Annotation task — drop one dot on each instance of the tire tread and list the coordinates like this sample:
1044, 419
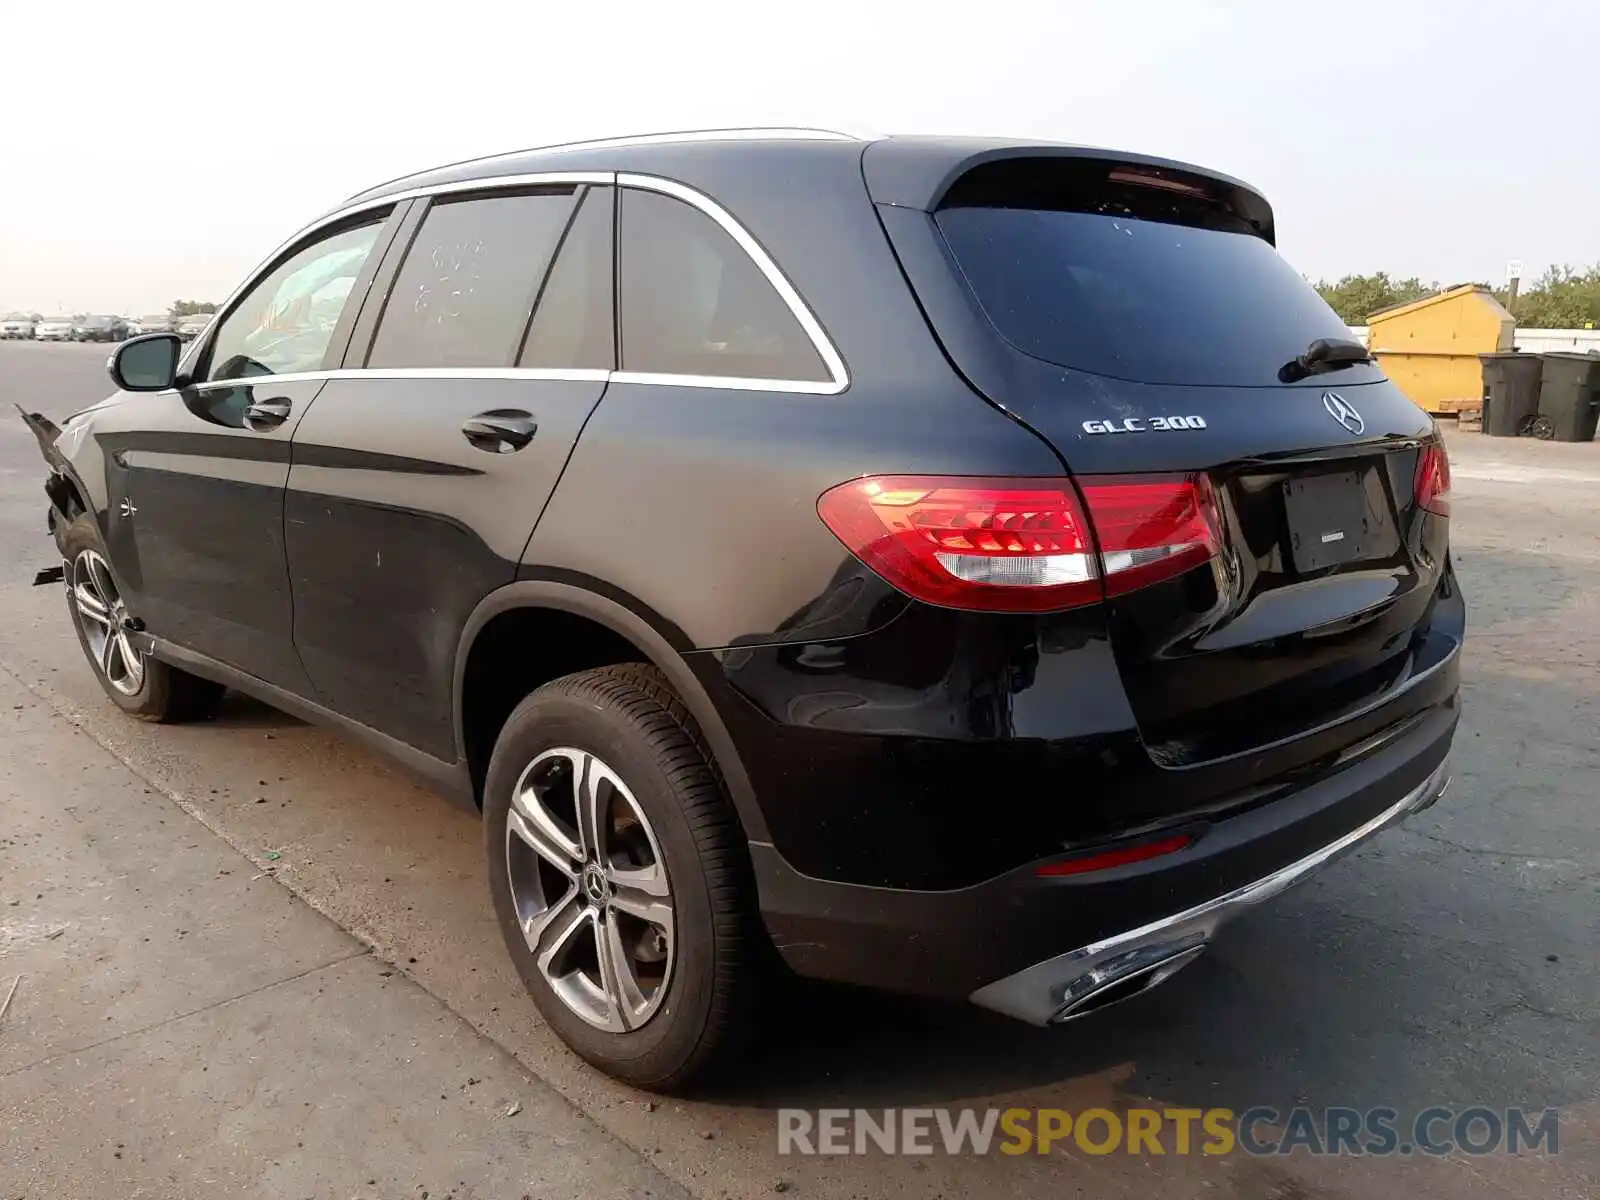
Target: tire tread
640, 695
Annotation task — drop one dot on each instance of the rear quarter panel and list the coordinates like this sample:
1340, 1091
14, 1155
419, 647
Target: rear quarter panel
700, 502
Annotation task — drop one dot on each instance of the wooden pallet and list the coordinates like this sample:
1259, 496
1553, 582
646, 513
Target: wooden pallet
1456, 404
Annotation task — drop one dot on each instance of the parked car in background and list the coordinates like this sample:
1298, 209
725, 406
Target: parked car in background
154, 323
99, 328
972, 568
192, 327
54, 329
16, 325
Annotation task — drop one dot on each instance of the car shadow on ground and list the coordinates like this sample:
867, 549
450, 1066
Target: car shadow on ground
239, 711
1430, 967
1299, 1006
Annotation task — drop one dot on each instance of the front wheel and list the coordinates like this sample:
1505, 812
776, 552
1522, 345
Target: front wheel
138, 684
620, 877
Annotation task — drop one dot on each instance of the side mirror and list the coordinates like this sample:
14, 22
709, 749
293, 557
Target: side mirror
146, 364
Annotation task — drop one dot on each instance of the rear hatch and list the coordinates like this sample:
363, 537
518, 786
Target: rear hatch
1138, 317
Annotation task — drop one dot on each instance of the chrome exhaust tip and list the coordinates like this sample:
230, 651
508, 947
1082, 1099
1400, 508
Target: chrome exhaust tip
1133, 981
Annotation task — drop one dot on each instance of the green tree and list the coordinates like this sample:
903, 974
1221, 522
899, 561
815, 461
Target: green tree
1562, 298
192, 308
1357, 297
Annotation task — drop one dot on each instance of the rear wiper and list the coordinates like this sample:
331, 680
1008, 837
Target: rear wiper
1323, 355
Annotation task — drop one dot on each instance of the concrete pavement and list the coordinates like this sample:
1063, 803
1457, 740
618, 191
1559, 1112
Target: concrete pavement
185, 1026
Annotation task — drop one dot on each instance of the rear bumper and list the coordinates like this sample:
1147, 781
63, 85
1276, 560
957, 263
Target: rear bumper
1084, 979
1042, 948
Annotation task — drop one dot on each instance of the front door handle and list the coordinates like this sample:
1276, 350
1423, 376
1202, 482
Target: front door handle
266, 414
500, 430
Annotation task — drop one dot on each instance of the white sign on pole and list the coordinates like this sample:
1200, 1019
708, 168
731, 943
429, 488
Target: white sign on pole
1514, 269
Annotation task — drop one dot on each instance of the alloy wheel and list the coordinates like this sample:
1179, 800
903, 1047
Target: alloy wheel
590, 889
103, 618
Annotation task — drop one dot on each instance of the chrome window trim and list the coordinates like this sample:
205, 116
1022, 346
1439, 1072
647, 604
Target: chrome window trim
494, 183
838, 381
832, 363
809, 387
574, 375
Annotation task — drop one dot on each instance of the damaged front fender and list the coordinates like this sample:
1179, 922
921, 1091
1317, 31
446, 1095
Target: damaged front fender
62, 486
45, 432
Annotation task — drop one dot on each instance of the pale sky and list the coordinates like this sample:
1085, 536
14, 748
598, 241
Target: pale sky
151, 151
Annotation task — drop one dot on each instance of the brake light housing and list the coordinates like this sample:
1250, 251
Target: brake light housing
1152, 527
1433, 479
1024, 545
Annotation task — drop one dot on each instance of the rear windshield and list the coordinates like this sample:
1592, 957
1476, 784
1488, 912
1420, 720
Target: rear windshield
1115, 292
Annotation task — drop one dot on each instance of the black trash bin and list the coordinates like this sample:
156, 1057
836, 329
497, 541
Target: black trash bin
1510, 392
1569, 397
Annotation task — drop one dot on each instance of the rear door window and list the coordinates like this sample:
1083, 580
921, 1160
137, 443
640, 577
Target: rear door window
572, 326
691, 302
463, 295
1153, 288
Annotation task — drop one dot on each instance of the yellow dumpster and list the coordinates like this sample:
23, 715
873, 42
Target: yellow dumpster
1430, 347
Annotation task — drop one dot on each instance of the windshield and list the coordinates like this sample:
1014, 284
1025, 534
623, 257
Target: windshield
14, 317
1144, 300
97, 322
57, 321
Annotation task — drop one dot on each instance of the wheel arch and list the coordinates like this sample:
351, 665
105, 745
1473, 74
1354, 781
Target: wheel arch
657, 642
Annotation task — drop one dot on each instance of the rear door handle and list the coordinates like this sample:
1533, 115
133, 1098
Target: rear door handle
266, 414
500, 430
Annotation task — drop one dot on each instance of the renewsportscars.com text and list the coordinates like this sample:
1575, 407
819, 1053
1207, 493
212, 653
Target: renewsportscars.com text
1379, 1132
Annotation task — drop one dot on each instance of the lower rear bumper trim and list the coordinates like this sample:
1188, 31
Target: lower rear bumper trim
1066, 986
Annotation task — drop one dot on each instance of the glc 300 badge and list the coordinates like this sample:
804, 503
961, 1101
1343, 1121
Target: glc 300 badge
1144, 425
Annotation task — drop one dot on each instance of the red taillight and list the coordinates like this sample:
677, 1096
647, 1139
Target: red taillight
1433, 479
1120, 857
1022, 545
1152, 528
1001, 545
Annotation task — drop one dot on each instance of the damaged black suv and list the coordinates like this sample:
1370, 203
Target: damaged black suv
971, 568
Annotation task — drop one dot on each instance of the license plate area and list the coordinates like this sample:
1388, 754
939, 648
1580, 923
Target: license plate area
1330, 520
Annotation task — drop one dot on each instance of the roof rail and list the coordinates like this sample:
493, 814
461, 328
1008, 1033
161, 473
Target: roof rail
754, 133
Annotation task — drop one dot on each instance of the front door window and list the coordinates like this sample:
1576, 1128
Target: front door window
286, 321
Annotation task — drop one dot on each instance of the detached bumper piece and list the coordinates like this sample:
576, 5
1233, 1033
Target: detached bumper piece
1123, 965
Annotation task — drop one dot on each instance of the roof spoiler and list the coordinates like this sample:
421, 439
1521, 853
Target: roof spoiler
918, 172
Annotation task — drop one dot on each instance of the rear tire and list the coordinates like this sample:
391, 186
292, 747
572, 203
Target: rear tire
662, 841
138, 684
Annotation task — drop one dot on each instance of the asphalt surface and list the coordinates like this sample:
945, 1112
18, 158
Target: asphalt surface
1451, 962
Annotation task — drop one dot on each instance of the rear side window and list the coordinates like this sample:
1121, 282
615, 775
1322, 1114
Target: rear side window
572, 325
464, 292
1135, 282
691, 302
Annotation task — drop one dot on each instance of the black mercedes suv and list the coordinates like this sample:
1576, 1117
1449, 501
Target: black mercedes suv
966, 567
